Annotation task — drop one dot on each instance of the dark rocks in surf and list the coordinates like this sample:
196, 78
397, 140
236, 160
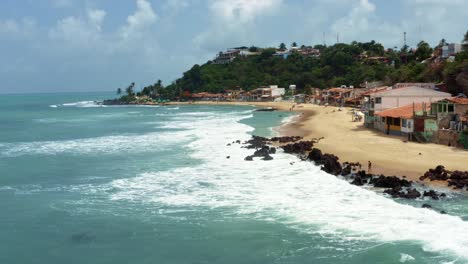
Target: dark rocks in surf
300, 147
457, 179
315, 155
437, 174
389, 182
398, 192
268, 109
426, 206
286, 139
330, 164
255, 142
432, 194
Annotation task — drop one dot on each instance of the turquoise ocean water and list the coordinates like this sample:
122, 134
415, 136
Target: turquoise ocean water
80, 183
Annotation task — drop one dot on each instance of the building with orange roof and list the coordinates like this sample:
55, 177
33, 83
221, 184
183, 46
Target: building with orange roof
400, 120
392, 98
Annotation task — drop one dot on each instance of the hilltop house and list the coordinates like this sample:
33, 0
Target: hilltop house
387, 99
226, 56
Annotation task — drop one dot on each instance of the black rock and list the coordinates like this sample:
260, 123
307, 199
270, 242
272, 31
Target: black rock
389, 182
249, 158
426, 206
431, 194
330, 164
358, 181
228, 157
443, 212
315, 155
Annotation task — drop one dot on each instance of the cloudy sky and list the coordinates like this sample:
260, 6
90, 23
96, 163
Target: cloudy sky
99, 45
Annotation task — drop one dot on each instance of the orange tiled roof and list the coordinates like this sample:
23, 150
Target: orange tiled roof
458, 100
403, 111
339, 90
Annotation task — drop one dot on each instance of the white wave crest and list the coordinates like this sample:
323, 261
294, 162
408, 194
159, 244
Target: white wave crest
83, 104
99, 145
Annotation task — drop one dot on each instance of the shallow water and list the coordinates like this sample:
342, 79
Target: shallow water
87, 184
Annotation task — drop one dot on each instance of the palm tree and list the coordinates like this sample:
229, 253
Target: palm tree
294, 44
282, 46
119, 91
129, 90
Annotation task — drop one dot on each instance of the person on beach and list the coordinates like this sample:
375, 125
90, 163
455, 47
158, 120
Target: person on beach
369, 166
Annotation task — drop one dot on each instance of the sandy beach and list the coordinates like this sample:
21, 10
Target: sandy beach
352, 142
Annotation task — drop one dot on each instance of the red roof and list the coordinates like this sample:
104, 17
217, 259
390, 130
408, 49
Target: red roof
458, 100
404, 111
339, 90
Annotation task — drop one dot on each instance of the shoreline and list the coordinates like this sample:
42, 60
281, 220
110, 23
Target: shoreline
352, 142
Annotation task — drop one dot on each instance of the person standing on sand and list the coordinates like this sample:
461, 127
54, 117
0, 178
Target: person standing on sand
369, 166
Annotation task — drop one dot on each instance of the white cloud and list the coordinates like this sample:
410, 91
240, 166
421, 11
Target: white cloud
78, 31
143, 17
242, 11
232, 23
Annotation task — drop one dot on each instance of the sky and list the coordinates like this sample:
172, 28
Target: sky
100, 45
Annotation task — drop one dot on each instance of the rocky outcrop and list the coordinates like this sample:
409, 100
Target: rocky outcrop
285, 139
456, 179
300, 147
437, 174
392, 182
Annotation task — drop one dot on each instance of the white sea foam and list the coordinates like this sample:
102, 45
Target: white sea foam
83, 104
405, 258
300, 195
98, 145
53, 106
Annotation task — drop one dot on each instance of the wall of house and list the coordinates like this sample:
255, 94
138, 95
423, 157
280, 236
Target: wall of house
409, 128
389, 102
461, 109
448, 138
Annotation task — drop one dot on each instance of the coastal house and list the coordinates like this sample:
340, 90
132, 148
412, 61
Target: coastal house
452, 120
234, 94
336, 96
269, 93
205, 96
431, 86
391, 98
401, 120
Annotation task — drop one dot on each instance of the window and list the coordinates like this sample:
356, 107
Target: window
378, 100
404, 123
396, 121
451, 108
439, 108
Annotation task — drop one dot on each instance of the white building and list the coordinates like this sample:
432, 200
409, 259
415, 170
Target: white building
451, 50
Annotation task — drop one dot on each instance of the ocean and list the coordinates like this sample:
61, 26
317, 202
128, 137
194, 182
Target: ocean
82, 183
